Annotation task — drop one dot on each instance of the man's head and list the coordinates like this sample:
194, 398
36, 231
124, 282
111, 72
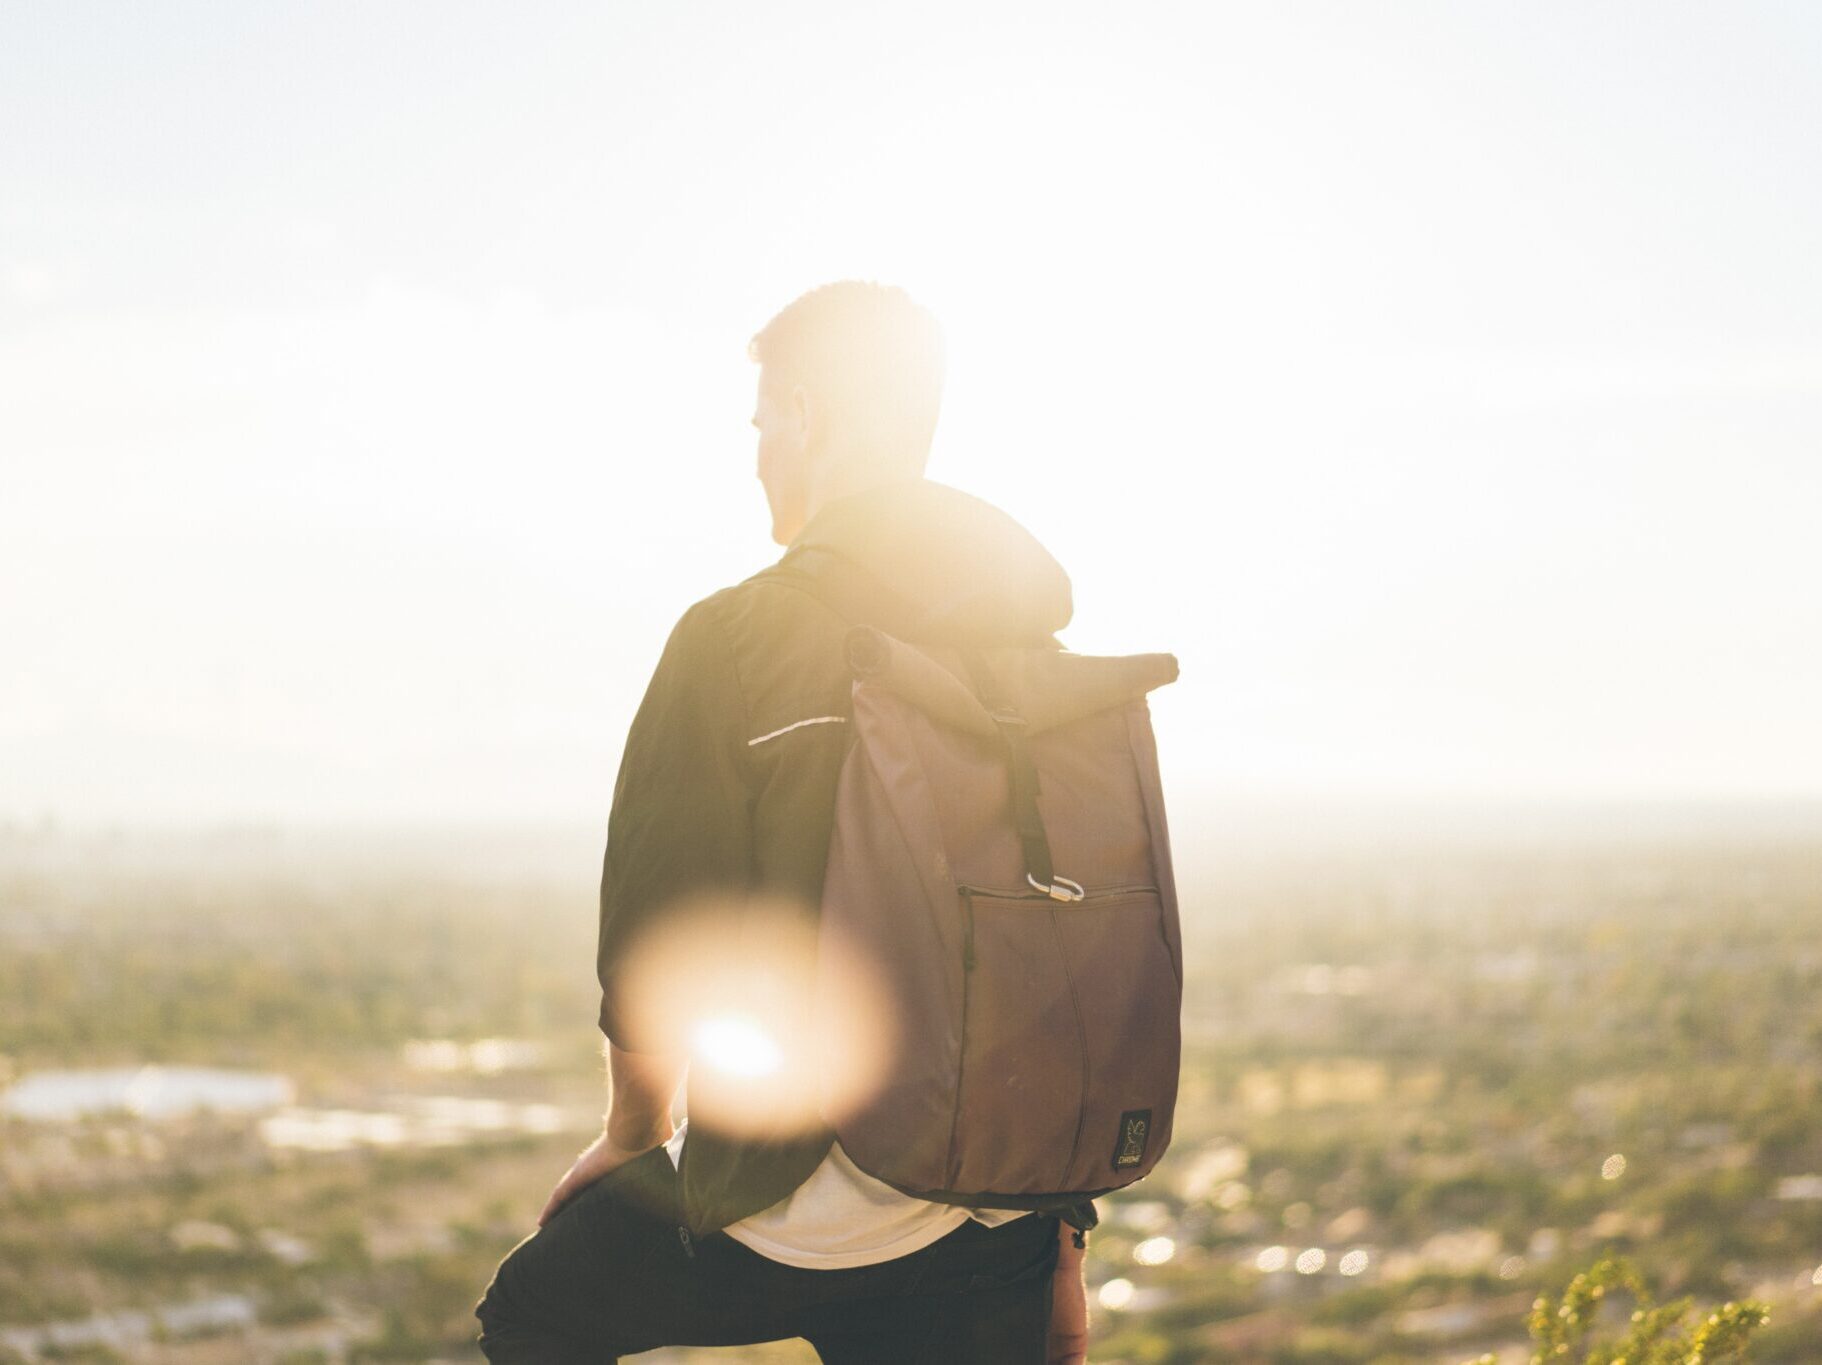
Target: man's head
850, 383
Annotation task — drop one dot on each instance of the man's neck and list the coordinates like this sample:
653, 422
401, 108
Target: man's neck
846, 479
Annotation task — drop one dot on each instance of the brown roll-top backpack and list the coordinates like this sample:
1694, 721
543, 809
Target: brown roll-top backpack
1000, 860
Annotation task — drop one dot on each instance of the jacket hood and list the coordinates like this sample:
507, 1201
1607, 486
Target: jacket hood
969, 571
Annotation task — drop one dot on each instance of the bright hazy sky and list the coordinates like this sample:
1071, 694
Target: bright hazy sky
1441, 382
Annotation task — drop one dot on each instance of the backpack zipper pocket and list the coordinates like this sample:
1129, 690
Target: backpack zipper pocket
1039, 898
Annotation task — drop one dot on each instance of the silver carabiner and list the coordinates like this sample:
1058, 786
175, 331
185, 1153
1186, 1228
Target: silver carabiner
1060, 889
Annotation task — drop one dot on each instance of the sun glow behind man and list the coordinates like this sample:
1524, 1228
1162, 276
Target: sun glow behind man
1454, 357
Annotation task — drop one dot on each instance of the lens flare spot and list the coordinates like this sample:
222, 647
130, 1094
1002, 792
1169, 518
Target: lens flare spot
1354, 1263
737, 1045
787, 1030
1613, 1167
1273, 1259
1309, 1262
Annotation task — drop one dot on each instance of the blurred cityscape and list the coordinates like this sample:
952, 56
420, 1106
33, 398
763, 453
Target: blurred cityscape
269, 1100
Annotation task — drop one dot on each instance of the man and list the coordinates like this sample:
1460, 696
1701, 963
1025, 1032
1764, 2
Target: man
735, 1232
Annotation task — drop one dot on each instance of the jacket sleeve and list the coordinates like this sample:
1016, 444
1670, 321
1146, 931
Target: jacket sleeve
681, 825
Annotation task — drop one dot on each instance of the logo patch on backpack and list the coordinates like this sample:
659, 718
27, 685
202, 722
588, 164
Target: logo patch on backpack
1135, 1135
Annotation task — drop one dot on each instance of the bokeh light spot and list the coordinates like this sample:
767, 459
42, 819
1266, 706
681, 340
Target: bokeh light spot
1154, 1251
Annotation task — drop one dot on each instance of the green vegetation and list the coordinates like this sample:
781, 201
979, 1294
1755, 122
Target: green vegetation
163, 969
1654, 1334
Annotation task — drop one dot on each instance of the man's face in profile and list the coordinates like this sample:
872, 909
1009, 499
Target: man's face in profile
781, 422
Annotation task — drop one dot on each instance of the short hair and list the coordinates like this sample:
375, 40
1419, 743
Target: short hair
871, 359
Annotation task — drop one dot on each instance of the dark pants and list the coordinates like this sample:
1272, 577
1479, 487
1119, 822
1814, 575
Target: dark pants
610, 1275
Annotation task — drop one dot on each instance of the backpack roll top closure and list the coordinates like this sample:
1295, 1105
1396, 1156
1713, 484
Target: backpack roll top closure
1044, 687
1053, 686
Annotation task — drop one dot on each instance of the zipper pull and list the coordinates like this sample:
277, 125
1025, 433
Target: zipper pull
689, 1248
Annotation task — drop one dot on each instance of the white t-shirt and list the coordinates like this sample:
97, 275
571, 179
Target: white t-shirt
842, 1217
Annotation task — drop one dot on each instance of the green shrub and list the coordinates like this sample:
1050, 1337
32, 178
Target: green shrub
1656, 1334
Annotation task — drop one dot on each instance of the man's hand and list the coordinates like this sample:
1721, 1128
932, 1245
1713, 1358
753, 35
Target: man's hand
1068, 1303
599, 1158
638, 1119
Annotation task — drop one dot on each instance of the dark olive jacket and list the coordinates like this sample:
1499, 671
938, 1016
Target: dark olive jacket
726, 792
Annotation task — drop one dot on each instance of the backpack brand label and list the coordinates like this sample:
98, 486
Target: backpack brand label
1135, 1136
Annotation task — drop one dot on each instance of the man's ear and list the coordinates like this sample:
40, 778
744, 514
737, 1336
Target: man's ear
800, 410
